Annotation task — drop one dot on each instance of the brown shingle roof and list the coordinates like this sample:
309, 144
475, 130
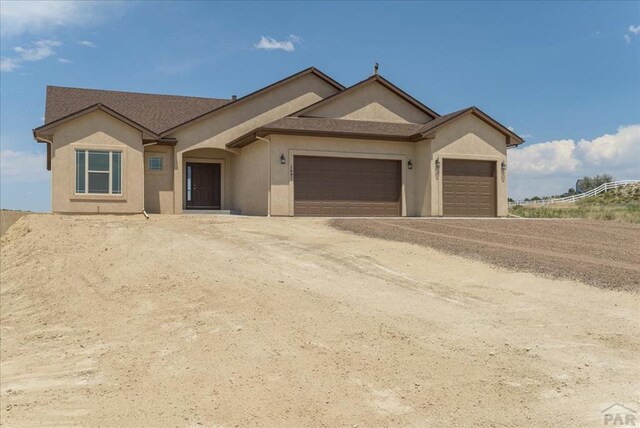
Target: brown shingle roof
153, 111
332, 127
365, 129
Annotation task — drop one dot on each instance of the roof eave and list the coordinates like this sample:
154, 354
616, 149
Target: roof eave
513, 139
250, 138
146, 133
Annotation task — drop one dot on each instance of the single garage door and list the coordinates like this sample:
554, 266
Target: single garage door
333, 186
469, 188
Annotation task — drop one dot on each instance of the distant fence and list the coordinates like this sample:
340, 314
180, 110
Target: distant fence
573, 198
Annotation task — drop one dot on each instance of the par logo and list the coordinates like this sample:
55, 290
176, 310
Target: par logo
619, 415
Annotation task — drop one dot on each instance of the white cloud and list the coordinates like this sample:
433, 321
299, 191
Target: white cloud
619, 149
545, 158
22, 166
87, 43
64, 60
634, 30
269, 43
35, 52
38, 50
552, 167
36, 17
9, 64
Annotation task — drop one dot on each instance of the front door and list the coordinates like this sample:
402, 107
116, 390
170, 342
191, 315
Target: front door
203, 186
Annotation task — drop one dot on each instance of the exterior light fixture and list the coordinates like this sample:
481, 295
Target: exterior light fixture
503, 165
438, 163
283, 160
410, 164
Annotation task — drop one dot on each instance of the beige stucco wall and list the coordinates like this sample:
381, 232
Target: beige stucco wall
371, 102
468, 137
96, 130
158, 185
221, 128
282, 186
250, 179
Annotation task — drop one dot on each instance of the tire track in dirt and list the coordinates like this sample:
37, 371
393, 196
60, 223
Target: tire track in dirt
594, 266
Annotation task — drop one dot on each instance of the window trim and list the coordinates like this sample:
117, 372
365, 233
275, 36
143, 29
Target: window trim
110, 152
155, 156
150, 154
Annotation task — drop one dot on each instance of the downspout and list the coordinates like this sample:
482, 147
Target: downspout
268, 141
49, 168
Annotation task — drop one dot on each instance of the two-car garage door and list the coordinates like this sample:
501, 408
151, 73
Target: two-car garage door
337, 186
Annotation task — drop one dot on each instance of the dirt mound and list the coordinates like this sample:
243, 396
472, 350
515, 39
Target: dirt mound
222, 321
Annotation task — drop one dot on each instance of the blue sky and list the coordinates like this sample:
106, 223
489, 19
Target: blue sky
564, 75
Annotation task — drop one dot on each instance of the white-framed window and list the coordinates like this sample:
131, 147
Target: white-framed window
155, 163
99, 172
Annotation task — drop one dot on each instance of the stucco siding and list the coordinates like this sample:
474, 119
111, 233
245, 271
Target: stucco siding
98, 131
158, 185
282, 186
467, 138
250, 179
371, 102
221, 128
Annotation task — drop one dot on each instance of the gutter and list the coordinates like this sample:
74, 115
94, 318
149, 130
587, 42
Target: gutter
49, 143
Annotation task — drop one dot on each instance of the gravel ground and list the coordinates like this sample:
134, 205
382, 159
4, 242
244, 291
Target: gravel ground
599, 253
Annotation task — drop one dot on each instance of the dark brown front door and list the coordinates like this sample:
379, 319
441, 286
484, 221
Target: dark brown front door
334, 186
469, 188
203, 186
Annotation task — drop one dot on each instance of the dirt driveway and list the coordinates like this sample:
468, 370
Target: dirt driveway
601, 253
226, 321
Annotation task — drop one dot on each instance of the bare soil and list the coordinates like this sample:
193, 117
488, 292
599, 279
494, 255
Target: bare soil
8, 217
599, 253
228, 321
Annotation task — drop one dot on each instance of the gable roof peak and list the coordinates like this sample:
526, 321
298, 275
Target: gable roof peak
373, 78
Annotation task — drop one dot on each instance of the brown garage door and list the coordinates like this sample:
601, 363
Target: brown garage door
331, 186
469, 188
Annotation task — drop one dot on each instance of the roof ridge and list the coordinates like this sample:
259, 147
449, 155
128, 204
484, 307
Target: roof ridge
137, 93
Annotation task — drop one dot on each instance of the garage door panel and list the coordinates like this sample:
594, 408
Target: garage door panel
325, 186
469, 188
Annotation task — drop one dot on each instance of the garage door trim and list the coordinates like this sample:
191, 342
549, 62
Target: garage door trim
292, 153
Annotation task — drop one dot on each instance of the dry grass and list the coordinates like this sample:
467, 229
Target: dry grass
622, 204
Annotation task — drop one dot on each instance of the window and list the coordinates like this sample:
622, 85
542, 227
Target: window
98, 171
155, 163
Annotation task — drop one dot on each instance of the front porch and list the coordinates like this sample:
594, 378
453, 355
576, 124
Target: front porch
204, 181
